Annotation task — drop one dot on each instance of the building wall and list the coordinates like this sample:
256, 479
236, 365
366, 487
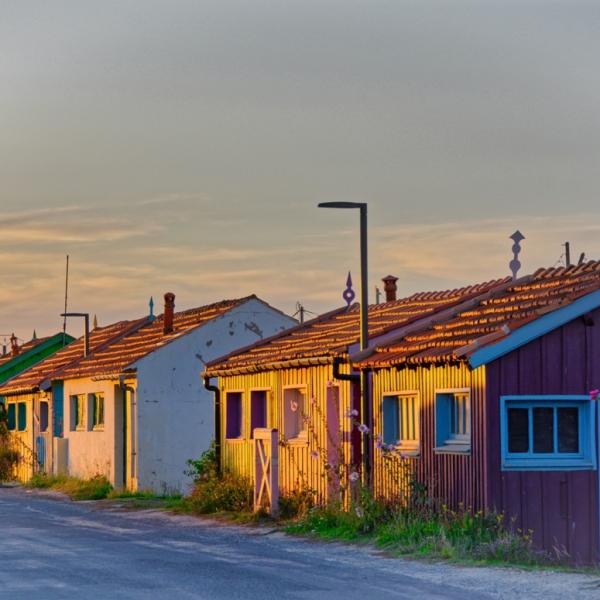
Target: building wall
34, 456
299, 468
450, 478
175, 413
93, 452
560, 506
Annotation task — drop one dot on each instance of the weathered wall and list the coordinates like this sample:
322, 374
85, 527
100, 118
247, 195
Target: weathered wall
299, 467
452, 478
560, 506
91, 452
175, 412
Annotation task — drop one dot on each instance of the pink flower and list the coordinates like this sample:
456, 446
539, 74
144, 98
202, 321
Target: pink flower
594, 394
294, 405
314, 454
353, 476
313, 400
352, 413
363, 428
329, 383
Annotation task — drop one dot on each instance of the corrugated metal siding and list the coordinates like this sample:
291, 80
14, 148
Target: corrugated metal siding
560, 506
297, 468
451, 478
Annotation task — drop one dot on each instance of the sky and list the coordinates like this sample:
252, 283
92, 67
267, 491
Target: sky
184, 145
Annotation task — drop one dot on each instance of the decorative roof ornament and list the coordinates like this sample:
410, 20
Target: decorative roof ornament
151, 316
514, 264
34, 336
348, 294
95, 322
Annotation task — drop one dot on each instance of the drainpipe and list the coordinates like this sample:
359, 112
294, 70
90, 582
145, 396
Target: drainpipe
337, 362
217, 393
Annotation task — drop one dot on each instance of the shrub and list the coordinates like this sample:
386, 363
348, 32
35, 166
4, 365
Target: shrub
296, 503
8, 457
228, 492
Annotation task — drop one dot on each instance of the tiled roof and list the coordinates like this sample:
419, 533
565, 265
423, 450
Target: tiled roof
331, 334
119, 356
31, 379
491, 319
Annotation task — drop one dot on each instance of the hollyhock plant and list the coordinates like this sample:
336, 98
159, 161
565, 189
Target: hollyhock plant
594, 394
363, 428
353, 476
314, 455
352, 413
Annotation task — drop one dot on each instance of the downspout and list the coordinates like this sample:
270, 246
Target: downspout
217, 392
337, 362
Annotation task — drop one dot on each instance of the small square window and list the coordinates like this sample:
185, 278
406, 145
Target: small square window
294, 407
258, 410
547, 433
78, 413
400, 415
12, 416
44, 416
233, 416
453, 421
21, 416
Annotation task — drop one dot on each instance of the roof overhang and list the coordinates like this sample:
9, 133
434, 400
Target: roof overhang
271, 366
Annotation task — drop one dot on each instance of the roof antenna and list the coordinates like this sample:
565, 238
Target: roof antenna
567, 246
581, 258
377, 295
66, 297
348, 294
514, 264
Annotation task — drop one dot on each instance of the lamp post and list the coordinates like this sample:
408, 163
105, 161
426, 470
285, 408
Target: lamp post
364, 327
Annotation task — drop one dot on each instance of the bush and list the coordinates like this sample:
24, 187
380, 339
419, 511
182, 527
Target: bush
228, 492
296, 503
8, 457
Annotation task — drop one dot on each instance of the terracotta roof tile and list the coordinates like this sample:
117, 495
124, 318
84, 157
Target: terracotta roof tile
493, 318
331, 334
120, 355
32, 378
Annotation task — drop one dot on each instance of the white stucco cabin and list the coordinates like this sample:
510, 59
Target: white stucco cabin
135, 410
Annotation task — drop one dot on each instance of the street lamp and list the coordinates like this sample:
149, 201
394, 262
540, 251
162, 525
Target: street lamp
364, 324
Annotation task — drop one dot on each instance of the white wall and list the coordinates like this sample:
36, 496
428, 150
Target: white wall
175, 412
91, 452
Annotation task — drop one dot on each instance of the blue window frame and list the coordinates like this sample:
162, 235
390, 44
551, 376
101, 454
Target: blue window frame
453, 421
400, 416
547, 433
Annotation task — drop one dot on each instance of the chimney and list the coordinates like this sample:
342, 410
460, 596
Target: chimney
169, 310
390, 288
14, 345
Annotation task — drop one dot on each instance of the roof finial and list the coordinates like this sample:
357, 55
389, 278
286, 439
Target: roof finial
348, 295
95, 322
151, 306
34, 336
514, 264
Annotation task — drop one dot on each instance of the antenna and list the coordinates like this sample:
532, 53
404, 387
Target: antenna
581, 258
567, 246
66, 300
377, 295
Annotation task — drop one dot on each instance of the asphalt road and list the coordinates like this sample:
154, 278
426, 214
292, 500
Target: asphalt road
51, 548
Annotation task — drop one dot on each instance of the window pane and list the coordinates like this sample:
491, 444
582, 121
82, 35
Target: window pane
234, 415
391, 433
543, 430
258, 410
12, 416
43, 416
22, 416
518, 429
568, 430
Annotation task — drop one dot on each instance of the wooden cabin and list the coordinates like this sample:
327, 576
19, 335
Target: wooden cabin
299, 382
491, 406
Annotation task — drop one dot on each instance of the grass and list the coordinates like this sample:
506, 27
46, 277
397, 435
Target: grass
94, 488
424, 532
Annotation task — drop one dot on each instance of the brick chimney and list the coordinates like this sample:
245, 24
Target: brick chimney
390, 288
14, 345
168, 315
